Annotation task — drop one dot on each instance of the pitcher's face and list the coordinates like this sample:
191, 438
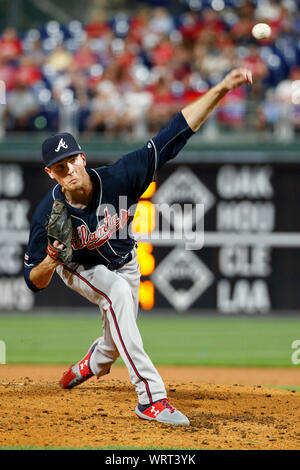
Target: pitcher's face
70, 172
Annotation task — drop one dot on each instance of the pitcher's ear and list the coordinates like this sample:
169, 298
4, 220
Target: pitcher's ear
49, 172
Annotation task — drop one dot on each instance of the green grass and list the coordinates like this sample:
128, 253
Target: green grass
284, 387
169, 340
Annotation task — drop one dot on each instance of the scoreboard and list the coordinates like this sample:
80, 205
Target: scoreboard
249, 259
237, 252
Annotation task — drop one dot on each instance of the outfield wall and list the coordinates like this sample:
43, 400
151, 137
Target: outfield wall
250, 260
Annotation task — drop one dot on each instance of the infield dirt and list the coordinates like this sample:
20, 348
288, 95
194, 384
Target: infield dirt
228, 408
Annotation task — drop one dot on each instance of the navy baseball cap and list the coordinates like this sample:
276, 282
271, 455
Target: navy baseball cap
59, 146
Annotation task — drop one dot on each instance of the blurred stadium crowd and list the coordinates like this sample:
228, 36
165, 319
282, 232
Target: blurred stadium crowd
129, 74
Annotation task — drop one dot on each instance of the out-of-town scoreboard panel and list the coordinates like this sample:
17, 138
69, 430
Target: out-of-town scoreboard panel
212, 236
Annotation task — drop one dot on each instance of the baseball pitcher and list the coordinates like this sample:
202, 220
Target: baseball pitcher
80, 231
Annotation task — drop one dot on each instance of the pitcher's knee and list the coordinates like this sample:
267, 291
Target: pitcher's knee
120, 289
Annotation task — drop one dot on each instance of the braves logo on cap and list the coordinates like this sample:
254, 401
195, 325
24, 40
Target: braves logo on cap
62, 144
59, 146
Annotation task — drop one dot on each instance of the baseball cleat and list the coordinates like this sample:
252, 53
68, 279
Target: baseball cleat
79, 372
163, 412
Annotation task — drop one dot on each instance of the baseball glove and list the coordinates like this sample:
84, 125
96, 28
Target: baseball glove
59, 228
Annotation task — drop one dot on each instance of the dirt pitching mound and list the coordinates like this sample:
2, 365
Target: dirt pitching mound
225, 412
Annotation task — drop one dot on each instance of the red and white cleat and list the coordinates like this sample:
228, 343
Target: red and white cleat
163, 412
79, 372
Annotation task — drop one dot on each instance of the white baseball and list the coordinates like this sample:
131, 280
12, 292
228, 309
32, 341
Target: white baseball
261, 31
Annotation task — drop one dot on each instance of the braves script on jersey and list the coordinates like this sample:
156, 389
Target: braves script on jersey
100, 232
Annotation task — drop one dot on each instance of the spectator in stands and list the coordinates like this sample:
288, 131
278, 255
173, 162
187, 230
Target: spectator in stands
28, 72
267, 114
138, 102
139, 25
163, 104
211, 21
253, 61
280, 110
241, 30
108, 113
268, 11
60, 59
190, 27
125, 54
21, 107
287, 93
163, 53
161, 22
182, 62
231, 113
7, 73
98, 26
215, 63
36, 53
10, 45
84, 57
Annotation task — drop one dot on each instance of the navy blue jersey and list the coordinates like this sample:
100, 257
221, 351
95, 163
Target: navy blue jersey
100, 231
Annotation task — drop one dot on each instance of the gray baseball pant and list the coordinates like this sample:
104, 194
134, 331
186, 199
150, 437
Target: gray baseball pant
116, 294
